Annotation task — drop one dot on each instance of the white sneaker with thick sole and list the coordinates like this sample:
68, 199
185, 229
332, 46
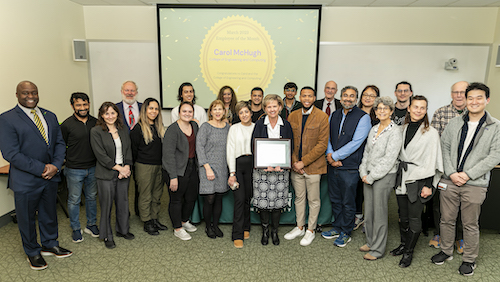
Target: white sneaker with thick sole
308, 238
182, 234
189, 227
296, 232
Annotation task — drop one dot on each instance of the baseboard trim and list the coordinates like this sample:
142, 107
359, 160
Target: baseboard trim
6, 218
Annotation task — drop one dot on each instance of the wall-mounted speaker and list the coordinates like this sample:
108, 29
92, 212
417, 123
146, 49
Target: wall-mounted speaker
79, 50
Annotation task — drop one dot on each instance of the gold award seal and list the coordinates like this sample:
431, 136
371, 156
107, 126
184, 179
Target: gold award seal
237, 51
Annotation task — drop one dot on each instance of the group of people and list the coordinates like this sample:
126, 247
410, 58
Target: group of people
366, 149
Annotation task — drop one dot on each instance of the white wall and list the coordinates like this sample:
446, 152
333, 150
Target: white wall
36, 38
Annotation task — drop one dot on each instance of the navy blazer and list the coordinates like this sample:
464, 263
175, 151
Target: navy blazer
124, 118
23, 146
319, 104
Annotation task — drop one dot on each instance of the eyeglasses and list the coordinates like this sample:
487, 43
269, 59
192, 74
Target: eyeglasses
371, 96
403, 91
458, 92
353, 96
291, 90
383, 109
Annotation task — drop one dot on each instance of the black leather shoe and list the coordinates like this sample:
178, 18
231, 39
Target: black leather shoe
56, 251
218, 232
398, 250
110, 244
265, 234
37, 262
150, 228
128, 236
159, 226
210, 232
406, 260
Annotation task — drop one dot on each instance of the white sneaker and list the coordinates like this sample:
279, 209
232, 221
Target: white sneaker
182, 234
189, 227
296, 232
308, 238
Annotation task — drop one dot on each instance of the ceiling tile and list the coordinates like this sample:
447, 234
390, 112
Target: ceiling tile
352, 3
472, 3
391, 3
432, 3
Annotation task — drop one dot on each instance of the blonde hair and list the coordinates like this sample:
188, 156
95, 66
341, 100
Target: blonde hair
272, 97
144, 122
212, 105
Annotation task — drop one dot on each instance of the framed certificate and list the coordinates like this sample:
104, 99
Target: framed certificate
273, 153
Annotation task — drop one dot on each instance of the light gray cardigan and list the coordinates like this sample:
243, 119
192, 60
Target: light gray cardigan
176, 150
381, 158
485, 152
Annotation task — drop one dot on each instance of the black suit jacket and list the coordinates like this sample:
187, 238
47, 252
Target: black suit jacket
319, 104
124, 118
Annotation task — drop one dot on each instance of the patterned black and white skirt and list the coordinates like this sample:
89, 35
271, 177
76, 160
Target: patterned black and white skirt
270, 189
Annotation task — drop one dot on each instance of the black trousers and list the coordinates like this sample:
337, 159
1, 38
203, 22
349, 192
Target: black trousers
182, 201
242, 196
410, 214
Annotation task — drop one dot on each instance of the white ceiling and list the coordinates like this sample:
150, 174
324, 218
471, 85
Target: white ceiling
328, 3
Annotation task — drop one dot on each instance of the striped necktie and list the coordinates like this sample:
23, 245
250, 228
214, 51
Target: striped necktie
39, 125
131, 118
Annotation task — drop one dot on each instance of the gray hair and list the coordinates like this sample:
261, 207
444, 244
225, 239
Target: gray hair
386, 101
349, 87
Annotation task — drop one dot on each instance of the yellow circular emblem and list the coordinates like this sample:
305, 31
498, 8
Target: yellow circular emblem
237, 51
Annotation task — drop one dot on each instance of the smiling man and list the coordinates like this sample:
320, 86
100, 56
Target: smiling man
403, 94
129, 107
290, 104
471, 149
257, 94
186, 93
31, 141
329, 104
80, 166
349, 128
310, 133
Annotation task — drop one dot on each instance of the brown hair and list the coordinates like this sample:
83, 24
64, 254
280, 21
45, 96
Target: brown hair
232, 104
425, 119
102, 110
212, 105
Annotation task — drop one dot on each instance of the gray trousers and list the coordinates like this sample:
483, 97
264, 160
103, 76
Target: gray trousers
150, 183
469, 199
115, 190
376, 213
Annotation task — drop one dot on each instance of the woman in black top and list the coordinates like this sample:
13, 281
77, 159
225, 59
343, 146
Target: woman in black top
181, 170
146, 140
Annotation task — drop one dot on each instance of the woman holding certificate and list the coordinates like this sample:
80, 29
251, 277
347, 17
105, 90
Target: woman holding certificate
271, 184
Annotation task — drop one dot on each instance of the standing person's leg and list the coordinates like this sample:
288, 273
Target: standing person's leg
415, 219
47, 216
106, 194
247, 180
334, 191
144, 177
192, 190
91, 202
436, 211
313, 198
156, 193
239, 204
471, 201
208, 206
299, 186
350, 179
359, 220
122, 211
75, 179
450, 203
380, 201
217, 211
26, 203
369, 214
403, 224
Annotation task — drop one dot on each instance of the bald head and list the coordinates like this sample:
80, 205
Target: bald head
27, 94
330, 90
458, 94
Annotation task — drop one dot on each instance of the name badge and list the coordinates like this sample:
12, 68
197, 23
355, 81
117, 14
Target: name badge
442, 186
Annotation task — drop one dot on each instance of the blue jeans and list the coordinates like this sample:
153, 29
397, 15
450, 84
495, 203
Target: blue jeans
75, 179
342, 184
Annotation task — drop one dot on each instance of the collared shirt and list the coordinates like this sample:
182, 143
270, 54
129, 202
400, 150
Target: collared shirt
28, 112
273, 132
135, 111
358, 138
332, 105
308, 111
443, 115
289, 109
387, 128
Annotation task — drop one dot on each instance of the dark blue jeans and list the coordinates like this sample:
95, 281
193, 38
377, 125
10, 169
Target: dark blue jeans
342, 184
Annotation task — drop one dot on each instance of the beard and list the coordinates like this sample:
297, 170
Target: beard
78, 113
307, 108
346, 106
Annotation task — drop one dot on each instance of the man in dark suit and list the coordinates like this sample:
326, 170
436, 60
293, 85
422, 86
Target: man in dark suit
31, 140
129, 109
329, 104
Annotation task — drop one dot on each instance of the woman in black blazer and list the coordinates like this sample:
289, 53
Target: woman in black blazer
181, 170
271, 184
111, 145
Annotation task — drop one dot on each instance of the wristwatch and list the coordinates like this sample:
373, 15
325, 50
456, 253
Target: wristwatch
232, 174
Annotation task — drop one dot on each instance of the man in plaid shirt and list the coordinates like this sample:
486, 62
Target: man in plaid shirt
439, 121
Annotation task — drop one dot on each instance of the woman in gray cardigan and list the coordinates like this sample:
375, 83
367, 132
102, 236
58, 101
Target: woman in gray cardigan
378, 173
181, 170
112, 148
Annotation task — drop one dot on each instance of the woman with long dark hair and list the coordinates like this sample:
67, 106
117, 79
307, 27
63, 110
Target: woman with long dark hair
420, 168
146, 140
111, 145
228, 97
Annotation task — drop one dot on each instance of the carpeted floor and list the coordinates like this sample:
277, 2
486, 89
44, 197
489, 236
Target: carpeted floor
166, 258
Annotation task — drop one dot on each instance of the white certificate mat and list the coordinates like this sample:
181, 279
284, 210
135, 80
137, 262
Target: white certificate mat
272, 152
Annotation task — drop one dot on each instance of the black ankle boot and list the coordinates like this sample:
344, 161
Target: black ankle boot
403, 231
265, 234
408, 251
210, 231
276, 214
159, 226
150, 228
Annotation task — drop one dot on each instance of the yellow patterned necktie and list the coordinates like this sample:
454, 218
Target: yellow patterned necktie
39, 125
